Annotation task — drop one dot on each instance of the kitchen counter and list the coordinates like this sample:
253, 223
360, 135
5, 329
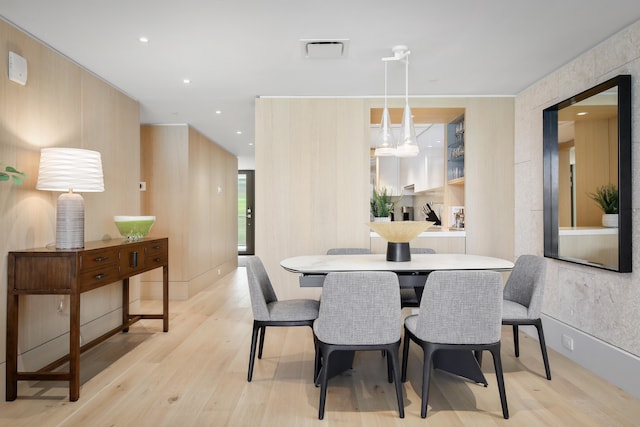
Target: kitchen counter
596, 245
587, 231
436, 232
442, 240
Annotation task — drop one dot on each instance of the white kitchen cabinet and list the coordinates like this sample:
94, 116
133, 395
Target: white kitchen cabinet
389, 174
430, 161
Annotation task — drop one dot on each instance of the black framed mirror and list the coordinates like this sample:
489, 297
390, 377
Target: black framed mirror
587, 177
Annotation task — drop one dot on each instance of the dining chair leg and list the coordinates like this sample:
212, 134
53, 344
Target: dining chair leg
426, 379
318, 366
405, 355
516, 340
497, 362
263, 329
393, 355
252, 352
543, 348
478, 355
324, 378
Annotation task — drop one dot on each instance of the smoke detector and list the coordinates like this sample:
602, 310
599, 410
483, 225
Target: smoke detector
324, 48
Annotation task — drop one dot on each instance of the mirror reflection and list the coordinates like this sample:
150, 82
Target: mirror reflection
587, 177
588, 167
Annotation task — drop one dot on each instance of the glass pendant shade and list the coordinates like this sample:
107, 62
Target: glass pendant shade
407, 145
385, 144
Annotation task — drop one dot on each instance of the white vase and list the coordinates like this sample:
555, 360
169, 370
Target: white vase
384, 219
610, 220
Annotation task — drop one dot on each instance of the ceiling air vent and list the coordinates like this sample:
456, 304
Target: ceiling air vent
324, 49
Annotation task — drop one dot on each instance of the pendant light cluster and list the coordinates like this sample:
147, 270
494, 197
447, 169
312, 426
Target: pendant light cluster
407, 145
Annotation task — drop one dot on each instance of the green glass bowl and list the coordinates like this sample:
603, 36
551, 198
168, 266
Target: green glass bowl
134, 227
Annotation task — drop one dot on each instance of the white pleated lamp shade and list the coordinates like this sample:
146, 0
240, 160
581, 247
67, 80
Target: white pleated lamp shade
70, 169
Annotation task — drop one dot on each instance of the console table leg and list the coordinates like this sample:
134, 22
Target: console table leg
125, 304
165, 298
12, 348
74, 347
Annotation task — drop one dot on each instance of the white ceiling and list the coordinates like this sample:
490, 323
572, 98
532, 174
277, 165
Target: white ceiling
236, 50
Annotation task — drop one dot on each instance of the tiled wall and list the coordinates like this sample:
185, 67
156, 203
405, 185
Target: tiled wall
603, 304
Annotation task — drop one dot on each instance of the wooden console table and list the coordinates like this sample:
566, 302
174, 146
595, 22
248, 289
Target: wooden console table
50, 271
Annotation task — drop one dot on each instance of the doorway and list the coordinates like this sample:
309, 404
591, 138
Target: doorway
246, 216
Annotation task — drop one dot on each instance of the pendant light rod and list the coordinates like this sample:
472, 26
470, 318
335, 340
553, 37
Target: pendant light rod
406, 79
386, 144
407, 145
385, 85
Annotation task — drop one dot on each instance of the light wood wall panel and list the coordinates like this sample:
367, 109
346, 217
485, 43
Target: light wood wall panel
312, 180
62, 105
312, 176
192, 190
164, 170
592, 152
489, 187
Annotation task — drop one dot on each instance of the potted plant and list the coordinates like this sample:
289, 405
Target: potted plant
381, 205
607, 197
10, 173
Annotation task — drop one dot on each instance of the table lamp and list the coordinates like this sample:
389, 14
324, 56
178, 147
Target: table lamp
71, 170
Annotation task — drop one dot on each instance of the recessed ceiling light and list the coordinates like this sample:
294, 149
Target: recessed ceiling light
251, 143
143, 39
218, 112
186, 81
239, 132
582, 113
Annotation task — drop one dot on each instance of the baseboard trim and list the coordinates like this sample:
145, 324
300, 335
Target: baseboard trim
621, 368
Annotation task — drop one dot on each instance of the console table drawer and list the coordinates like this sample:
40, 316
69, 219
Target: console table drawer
98, 259
41, 274
157, 254
98, 277
132, 258
157, 248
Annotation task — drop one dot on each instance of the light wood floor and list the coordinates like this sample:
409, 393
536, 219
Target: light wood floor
195, 375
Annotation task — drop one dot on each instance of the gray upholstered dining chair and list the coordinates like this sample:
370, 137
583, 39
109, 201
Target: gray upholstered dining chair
422, 250
522, 300
269, 311
408, 296
348, 251
459, 311
359, 311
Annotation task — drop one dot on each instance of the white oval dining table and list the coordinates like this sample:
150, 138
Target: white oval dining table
413, 273
312, 268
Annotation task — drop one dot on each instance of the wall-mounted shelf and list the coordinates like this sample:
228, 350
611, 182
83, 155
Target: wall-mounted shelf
455, 149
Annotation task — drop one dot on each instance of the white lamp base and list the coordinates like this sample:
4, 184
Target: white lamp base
70, 221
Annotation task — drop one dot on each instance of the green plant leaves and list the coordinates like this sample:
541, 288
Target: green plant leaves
607, 197
11, 173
